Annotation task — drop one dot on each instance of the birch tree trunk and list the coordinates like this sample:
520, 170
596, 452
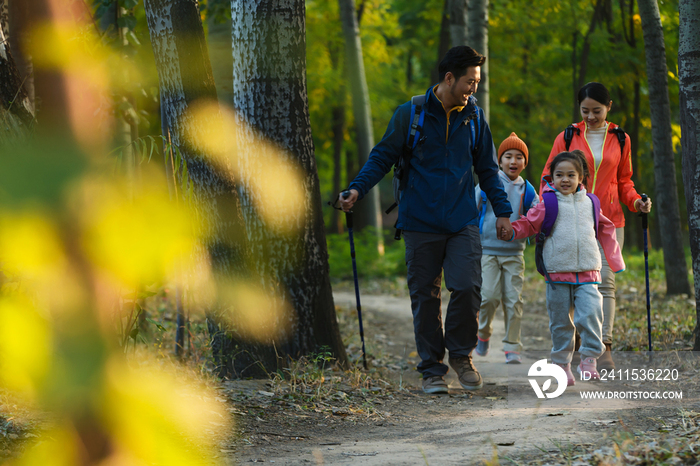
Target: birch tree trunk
185, 77
689, 74
368, 212
664, 165
16, 113
219, 40
269, 94
458, 22
4, 18
444, 40
478, 39
17, 13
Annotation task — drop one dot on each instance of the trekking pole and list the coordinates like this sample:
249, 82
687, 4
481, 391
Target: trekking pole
645, 227
348, 220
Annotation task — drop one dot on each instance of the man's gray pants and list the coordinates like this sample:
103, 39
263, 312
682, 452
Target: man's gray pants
586, 304
459, 254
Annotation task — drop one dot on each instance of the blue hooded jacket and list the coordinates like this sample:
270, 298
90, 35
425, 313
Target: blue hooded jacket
439, 197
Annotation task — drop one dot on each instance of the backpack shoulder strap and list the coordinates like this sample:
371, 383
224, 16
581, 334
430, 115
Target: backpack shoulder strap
596, 211
482, 212
551, 210
621, 138
569, 135
417, 115
527, 198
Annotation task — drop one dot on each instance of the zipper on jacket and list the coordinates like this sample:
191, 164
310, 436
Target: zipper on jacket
602, 152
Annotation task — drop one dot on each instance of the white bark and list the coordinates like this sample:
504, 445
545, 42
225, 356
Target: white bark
369, 211
269, 94
458, 22
478, 39
689, 74
16, 114
666, 205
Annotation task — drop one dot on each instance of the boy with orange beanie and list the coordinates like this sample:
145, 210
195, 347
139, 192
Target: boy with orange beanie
502, 263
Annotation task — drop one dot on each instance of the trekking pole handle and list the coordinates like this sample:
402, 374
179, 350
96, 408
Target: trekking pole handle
645, 220
348, 215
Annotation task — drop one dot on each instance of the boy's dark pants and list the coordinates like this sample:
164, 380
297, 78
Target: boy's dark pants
459, 254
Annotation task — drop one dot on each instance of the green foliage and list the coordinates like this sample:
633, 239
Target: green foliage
369, 263
531, 51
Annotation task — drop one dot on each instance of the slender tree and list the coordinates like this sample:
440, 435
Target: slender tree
269, 94
16, 112
458, 22
667, 207
4, 18
478, 39
444, 41
17, 15
185, 77
368, 212
689, 74
219, 41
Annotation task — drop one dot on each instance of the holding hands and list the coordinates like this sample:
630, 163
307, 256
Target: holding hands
504, 230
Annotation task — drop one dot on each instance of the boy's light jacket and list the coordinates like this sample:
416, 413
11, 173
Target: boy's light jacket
493, 246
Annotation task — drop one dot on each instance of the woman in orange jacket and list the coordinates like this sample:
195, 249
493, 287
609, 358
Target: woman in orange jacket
610, 180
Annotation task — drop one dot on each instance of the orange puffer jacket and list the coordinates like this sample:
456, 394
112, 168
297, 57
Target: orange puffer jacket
611, 179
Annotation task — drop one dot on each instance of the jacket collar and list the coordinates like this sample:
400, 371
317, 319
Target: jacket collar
436, 108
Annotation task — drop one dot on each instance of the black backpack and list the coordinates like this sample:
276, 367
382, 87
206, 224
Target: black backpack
569, 135
415, 136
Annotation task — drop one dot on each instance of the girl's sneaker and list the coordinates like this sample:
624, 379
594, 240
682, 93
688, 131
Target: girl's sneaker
569, 375
482, 347
587, 369
513, 357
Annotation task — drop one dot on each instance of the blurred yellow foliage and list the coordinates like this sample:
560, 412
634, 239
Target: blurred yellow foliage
25, 345
155, 418
138, 242
29, 245
276, 185
72, 48
255, 313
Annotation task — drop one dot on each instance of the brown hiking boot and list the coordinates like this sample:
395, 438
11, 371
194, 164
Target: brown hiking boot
469, 377
434, 385
606, 361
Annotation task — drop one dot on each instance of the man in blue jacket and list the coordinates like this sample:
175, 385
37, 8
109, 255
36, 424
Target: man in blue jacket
438, 215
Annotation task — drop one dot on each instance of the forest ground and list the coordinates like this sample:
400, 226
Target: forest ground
381, 417
313, 412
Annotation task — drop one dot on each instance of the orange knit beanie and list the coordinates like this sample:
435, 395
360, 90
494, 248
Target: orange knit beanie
512, 142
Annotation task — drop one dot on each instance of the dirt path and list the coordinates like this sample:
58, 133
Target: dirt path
459, 428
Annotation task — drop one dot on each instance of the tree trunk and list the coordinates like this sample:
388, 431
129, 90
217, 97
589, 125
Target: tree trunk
338, 129
478, 39
219, 40
368, 212
458, 22
4, 18
185, 77
269, 93
16, 115
18, 14
689, 75
444, 42
664, 165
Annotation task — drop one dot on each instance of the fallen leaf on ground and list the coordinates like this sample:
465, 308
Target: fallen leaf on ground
606, 422
347, 453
